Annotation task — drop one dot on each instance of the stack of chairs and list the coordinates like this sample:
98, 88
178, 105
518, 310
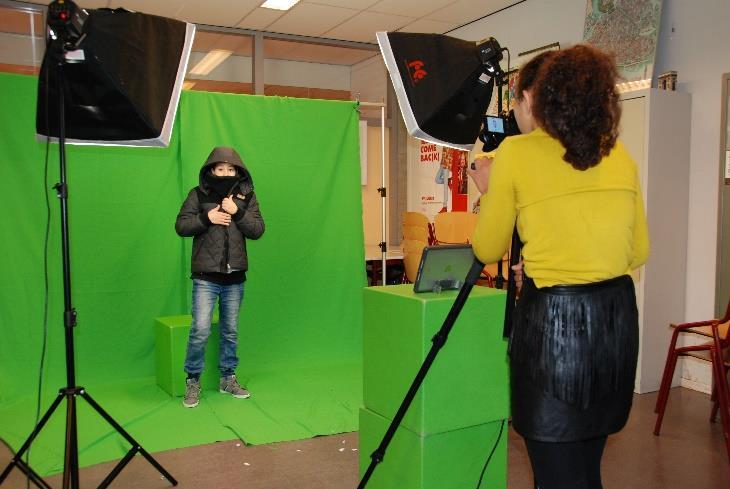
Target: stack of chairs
417, 234
458, 228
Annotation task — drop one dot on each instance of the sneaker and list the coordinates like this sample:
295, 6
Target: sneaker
229, 385
192, 393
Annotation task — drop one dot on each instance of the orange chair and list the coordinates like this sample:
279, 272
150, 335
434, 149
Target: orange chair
415, 233
419, 220
454, 227
412, 251
714, 351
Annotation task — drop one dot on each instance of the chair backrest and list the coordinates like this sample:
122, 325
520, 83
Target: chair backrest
454, 227
416, 233
412, 251
415, 219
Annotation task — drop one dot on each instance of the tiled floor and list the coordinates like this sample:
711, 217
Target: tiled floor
690, 454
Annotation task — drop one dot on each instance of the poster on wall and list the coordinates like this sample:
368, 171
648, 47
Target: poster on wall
425, 195
629, 29
508, 90
455, 162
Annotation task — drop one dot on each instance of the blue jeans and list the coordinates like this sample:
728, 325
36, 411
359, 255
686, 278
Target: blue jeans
205, 296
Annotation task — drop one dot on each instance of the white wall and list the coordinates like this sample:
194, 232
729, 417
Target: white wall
698, 51
694, 40
530, 24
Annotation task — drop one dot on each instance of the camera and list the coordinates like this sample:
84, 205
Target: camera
496, 128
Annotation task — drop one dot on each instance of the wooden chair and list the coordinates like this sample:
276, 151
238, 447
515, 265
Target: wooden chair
454, 227
716, 352
412, 251
415, 233
419, 220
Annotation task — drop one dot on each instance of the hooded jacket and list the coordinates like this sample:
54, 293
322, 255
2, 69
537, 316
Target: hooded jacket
217, 248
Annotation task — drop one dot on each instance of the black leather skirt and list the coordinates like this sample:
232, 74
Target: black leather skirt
573, 352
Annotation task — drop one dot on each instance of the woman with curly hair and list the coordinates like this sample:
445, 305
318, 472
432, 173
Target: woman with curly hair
573, 191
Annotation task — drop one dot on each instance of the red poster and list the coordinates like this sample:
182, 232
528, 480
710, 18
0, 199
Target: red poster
456, 161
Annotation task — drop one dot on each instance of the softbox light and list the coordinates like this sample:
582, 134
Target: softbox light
122, 80
441, 83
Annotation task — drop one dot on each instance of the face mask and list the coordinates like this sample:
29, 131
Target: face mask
221, 187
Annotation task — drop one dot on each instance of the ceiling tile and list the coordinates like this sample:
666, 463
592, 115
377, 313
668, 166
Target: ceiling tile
429, 26
219, 12
413, 8
463, 11
260, 18
163, 8
89, 3
311, 20
356, 4
363, 26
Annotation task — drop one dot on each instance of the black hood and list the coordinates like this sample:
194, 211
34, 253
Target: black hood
224, 154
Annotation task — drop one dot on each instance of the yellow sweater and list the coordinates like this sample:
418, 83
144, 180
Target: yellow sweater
577, 226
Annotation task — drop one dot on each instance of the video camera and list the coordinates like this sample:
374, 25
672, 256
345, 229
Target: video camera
496, 128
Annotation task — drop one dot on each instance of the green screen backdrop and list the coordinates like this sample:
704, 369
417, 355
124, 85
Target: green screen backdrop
301, 321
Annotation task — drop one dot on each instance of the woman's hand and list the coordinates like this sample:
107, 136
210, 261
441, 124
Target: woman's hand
480, 174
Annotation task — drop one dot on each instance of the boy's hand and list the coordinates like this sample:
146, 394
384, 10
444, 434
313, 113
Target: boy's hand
218, 217
229, 206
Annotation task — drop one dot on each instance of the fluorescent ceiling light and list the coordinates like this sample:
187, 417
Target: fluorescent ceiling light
279, 4
210, 61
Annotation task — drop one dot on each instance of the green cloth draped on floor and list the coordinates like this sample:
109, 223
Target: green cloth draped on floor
301, 322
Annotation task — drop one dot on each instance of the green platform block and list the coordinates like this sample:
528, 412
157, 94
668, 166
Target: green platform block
171, 338
448, 460
468, 383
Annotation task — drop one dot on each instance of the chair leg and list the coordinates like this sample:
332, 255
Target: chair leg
722, 395
668, 370
664, 390
715, 405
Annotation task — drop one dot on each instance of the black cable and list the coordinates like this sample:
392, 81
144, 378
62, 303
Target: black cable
44, 341
508, 69
489, 458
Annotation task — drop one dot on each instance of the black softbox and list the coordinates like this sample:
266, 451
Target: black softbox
122, 84
441, 85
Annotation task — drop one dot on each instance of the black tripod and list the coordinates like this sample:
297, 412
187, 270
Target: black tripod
71, 391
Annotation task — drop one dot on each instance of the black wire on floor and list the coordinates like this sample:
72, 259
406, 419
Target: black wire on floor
489, 458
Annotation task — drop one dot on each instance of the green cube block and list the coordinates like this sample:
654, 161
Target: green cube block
448, 460
468, 383
171, 338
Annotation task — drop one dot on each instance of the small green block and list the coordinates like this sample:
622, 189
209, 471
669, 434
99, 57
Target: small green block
171, 338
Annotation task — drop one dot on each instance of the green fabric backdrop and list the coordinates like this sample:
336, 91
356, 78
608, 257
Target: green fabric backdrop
301, 322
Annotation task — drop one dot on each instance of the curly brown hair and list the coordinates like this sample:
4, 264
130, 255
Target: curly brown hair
575, 101
528, 74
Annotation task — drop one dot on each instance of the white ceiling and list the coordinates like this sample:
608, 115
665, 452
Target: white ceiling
351, 20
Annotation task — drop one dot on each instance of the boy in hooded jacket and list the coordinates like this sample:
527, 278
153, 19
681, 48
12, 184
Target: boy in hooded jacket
221, 213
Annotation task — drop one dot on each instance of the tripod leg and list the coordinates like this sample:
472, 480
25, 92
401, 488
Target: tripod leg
136, 447
71, 456
18, 458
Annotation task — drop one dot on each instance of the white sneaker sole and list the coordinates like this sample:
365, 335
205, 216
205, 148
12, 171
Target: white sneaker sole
190, 405
246, 396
